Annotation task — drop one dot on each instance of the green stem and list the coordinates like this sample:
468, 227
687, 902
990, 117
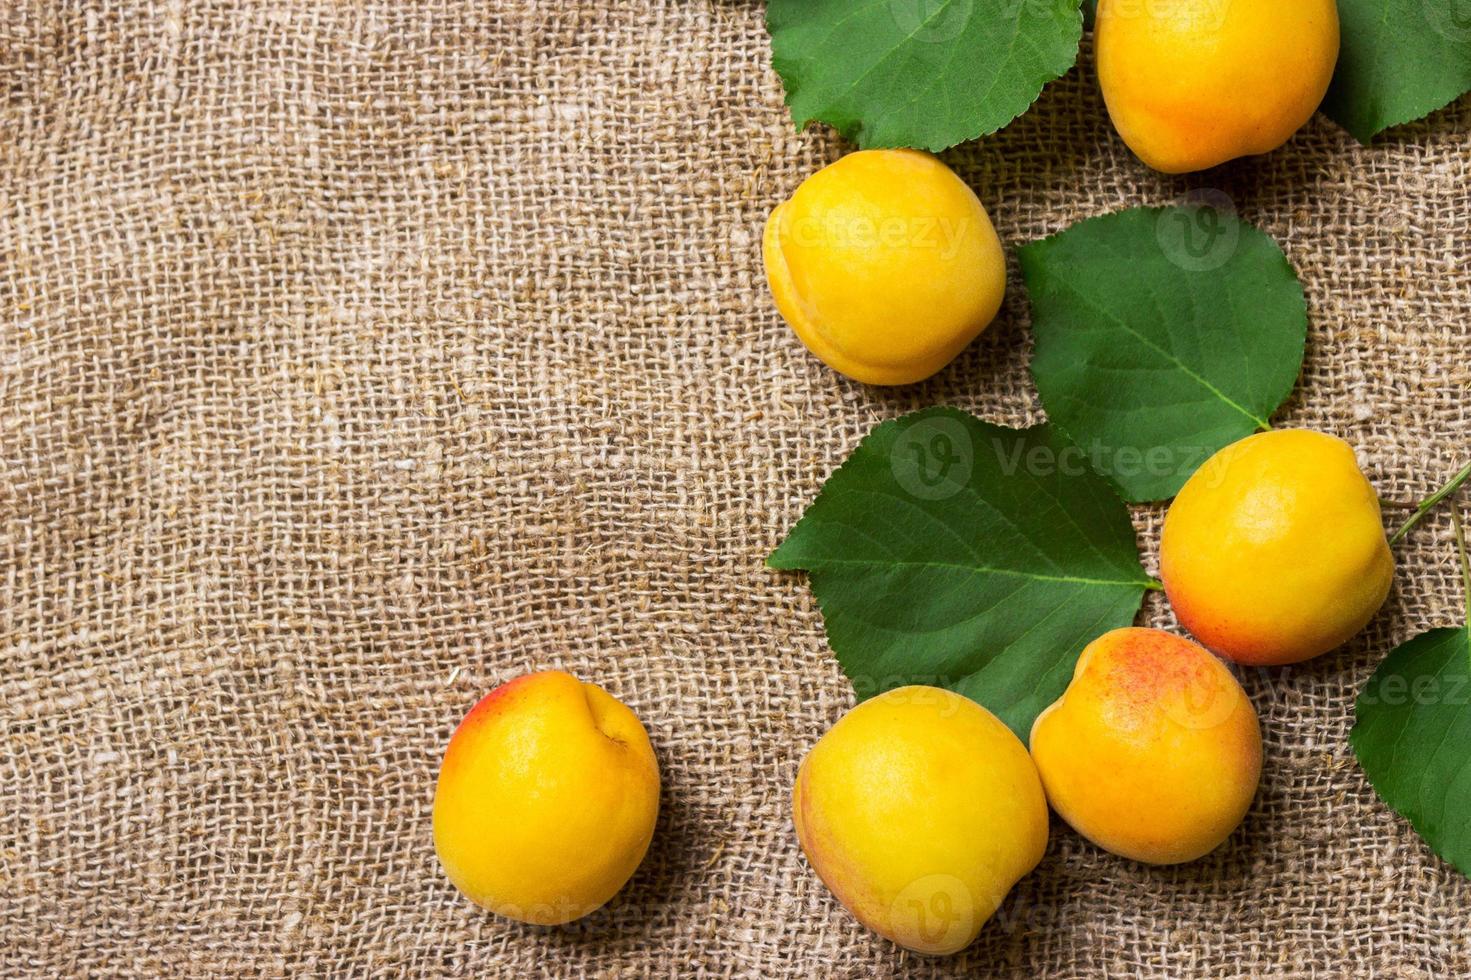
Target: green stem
1154, 585
1428, 504
1465, 563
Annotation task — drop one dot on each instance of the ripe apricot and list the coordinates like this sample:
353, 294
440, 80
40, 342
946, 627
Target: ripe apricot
1274, 551
885, 265
546, 800
920, 810
1193, 83
1153, 752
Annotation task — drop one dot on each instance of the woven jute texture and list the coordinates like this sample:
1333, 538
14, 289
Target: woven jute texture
359, 357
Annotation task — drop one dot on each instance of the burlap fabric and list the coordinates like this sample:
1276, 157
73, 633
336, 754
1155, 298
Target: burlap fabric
358, 357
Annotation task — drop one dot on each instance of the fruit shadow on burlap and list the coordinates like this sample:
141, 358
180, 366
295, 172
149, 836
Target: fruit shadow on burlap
357, 357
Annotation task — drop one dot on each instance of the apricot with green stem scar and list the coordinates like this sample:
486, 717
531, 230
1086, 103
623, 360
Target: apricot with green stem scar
885, 265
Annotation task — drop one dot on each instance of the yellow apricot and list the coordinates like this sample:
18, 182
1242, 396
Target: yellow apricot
1274, 551
1191, 84
920, 810
1153, 752
546, 799
885, 265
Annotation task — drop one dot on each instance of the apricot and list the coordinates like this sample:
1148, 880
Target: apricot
1190, 84
920, 810
546, 800
1153, 752
1274, 551
885, 265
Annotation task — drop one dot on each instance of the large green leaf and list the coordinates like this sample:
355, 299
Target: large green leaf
953, 552
1162, 335
1413, 738
1399, 60
921, 73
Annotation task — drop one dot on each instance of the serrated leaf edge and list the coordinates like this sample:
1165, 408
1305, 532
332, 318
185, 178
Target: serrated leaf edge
1028, 263
858, 136
1462, 863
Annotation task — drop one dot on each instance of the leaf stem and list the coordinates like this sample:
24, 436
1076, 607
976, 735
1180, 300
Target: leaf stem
1465, 562
1154, 585
1428, 504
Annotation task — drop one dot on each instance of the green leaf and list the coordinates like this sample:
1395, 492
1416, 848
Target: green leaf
921, 73
1412, 735
953, 552
1399, 60
1162, 335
